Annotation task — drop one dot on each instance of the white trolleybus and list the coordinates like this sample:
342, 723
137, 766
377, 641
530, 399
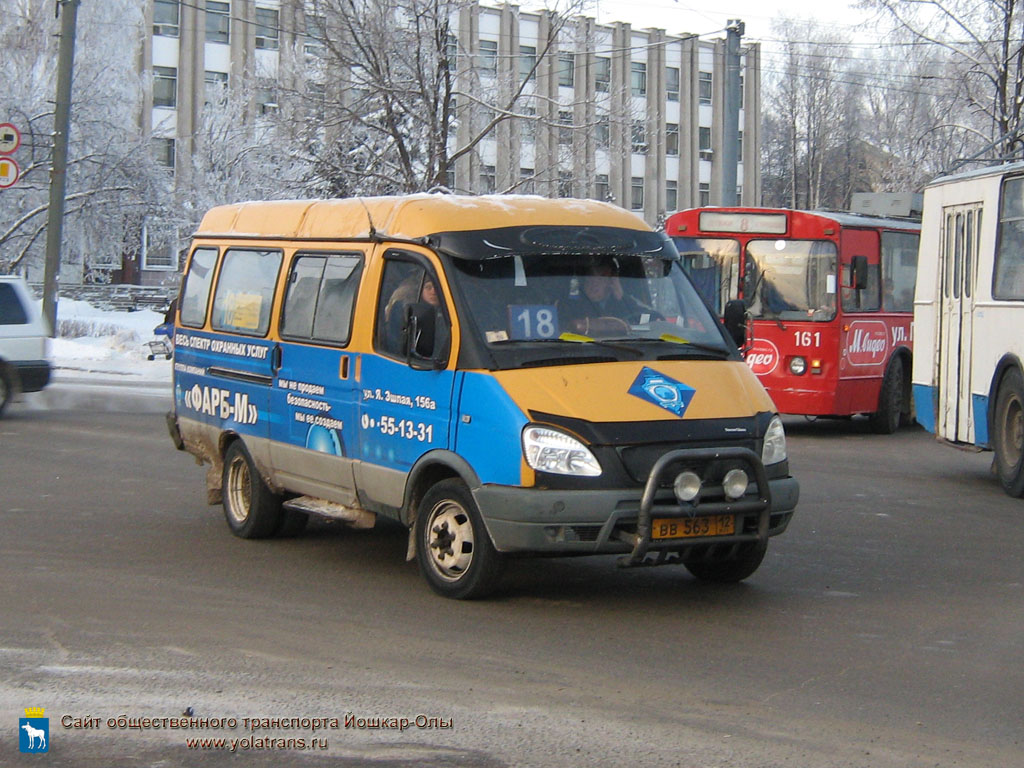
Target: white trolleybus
969, 309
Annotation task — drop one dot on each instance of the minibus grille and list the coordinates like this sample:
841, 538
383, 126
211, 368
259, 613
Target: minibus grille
639, 459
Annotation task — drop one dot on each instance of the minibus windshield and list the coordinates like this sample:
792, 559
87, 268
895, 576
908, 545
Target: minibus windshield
631, 306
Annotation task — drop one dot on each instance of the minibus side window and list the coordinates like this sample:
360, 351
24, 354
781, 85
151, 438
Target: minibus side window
406, 283
245, 291
320, 297
196, 293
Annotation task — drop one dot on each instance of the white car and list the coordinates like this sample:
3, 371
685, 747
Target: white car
24, 341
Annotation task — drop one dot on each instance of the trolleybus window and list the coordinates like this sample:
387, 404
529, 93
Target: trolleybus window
1008, 282
791, 279
713, 264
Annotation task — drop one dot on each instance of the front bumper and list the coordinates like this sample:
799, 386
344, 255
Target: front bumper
33, 375
609, 521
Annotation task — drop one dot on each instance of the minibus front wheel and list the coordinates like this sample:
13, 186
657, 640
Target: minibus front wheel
453, 549
250, 508
732, 570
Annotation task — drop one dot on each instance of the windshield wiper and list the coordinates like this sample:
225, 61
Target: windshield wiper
718, 351
573, 338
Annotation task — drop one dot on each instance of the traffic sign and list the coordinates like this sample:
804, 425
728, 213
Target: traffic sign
9, 172
10, 138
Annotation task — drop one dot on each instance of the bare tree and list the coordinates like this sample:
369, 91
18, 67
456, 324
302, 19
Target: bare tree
113, 181
401, 99
986, 49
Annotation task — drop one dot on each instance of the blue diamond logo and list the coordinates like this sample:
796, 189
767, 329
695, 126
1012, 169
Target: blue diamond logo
664, 391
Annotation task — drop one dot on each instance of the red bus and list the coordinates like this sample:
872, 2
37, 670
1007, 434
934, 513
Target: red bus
829, 300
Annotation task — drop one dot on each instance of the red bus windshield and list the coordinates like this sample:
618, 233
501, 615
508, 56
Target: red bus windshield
791, 279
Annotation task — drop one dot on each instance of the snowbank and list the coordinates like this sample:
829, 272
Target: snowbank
99, 342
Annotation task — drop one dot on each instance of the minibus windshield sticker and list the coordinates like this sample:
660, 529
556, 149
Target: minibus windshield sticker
664, 391
533, 321
242, 310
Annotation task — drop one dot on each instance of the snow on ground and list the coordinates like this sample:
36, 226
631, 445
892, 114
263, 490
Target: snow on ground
100, 343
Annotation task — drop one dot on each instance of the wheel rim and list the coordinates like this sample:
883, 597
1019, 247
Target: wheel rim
449, 540
239, 490
1012, 442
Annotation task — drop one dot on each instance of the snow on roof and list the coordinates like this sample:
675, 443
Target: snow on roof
405, 217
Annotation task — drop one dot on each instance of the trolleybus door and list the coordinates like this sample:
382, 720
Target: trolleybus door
959, 265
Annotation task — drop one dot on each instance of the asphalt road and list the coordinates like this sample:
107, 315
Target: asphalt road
885, 628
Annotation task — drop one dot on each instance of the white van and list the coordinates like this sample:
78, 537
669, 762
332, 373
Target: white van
24, 341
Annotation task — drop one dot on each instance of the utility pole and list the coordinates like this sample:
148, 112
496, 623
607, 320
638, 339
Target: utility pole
58, 172
731, 125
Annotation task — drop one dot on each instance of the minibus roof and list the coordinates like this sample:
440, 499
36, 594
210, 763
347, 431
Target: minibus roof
408, 217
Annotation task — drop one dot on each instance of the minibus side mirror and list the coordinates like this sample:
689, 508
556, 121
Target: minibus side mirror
735, 319
420, 331
859, 273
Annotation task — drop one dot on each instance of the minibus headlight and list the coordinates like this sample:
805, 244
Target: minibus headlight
798, 366
774, 449
548, 450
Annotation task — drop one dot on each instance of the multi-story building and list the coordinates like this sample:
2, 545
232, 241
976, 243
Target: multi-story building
609, 112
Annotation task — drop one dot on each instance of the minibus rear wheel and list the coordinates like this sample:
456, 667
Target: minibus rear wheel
1008, 433
453, 549
730, 571
250, 508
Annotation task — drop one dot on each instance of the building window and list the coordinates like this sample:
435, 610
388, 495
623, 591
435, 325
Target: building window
672, 83
218, 22
528, 125
165, 18
266, 98
704, 191
704, 145
159, 245
704, 87
638, 136
741, 91
565, 184
316, 33
637, 193
566, 69
739, 145
165, 86
527, 61
602, 73
602, 132
564, 127
671, 138
671, 195
488, 179
526, 177
489, 57
163, 151
602, 190
268, 28
216, 87
449, 177
638, 78
739, 195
